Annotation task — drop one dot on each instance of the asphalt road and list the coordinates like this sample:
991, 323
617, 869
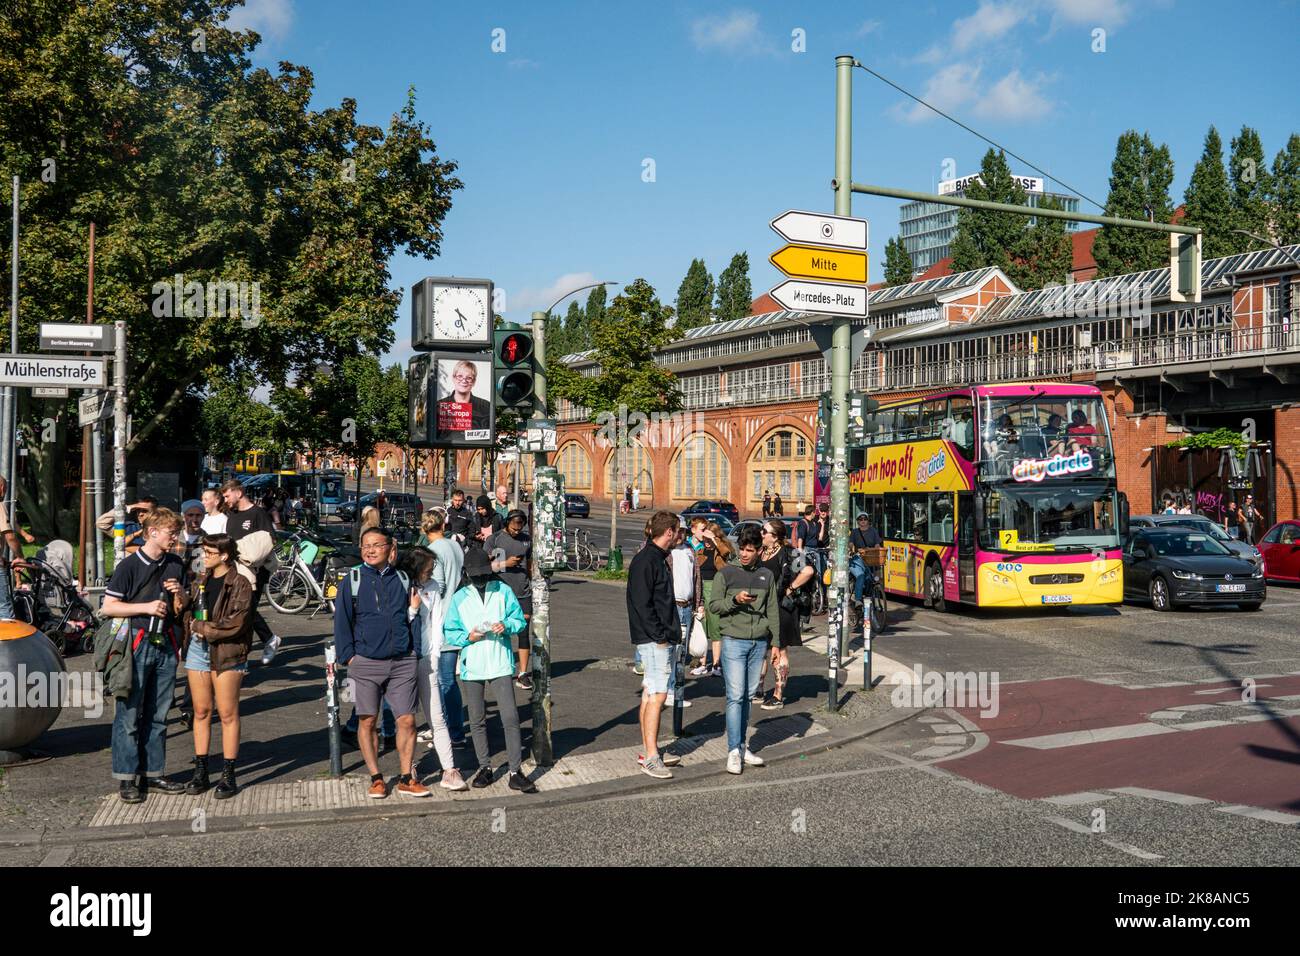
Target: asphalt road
950, 787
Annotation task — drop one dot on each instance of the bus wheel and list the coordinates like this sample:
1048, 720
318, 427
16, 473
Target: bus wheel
934, 588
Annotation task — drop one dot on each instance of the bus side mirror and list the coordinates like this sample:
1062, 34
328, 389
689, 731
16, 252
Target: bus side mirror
979, 514
1123, 515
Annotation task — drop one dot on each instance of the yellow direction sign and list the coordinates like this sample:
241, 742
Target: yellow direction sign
810, 262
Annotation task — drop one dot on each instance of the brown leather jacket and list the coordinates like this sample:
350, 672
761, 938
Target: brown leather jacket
229, 628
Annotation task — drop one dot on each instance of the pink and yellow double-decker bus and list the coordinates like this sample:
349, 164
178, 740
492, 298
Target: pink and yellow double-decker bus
994, 496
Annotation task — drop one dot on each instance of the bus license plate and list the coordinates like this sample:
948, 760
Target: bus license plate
1230, 587
1057, 599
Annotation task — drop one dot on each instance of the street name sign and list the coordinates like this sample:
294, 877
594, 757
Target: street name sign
92, 408
77, 337
799, 295
46, 370
811, 262
820, 229
49, 391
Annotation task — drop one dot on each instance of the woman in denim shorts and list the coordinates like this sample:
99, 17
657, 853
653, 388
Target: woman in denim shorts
218, 621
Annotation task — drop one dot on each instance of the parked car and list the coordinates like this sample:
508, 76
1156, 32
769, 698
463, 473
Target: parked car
1281, 549
714, 506
1170, 566
410, 507
1242, 549
576, 506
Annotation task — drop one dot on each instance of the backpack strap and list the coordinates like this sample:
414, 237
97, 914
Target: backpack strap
354, 579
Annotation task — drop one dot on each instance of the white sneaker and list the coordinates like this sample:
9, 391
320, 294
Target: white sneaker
701, 671
424, 735
734, 762
670, 700
273, 645
752, 760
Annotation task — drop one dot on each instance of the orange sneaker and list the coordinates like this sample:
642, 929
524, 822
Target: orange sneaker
413, 788
378, 790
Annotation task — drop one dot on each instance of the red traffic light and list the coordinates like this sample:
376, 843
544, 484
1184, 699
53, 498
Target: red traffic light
515, 348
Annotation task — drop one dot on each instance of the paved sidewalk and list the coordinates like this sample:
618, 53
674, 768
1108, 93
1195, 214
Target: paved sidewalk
284, 753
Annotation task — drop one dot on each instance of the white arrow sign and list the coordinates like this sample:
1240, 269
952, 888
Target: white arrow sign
827, 298
821, 229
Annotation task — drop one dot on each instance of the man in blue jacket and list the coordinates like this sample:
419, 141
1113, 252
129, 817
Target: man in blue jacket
373, 639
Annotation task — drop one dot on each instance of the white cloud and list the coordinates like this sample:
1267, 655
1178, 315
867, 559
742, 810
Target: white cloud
1102, 13
528, 299
990, 22
270, 18
1014, 99
871, 26
948, 89
735, 32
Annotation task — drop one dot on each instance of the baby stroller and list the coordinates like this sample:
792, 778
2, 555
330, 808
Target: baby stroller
47, 597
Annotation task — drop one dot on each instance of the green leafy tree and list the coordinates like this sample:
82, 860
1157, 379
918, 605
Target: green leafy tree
1286, 193
1207, 202
898, 264
735, 295
1251, 187
1046, 252
147, 118
695, 297
588, 318
625, 340
1140, 176
990, 238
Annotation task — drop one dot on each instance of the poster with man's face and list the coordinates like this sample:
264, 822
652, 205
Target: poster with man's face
463, 412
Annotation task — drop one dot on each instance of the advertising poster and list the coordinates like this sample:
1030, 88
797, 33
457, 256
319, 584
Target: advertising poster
463, 412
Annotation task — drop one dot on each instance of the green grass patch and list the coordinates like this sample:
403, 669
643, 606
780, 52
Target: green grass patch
605, 574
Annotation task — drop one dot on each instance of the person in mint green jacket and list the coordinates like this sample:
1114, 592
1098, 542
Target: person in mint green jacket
482, 620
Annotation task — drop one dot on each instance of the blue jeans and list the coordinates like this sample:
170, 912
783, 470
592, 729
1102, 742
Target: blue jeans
452, 704
140, 721
6, 594
742, 663
861, 575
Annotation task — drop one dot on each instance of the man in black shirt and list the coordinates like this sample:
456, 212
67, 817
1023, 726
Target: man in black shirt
140, 592
460, 518
655, 628
486, 522
254, 534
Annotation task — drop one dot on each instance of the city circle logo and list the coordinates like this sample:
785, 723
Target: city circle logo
925, 470
1036, 469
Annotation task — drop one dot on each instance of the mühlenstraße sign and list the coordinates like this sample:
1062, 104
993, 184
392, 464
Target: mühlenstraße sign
23, 370
75, 337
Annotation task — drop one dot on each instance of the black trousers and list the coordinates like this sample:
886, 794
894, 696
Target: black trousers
260, 627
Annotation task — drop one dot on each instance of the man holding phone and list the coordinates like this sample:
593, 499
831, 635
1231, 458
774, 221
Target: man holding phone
142, 591
744, 599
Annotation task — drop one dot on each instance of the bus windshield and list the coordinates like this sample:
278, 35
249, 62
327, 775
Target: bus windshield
1078, 517
1029, 438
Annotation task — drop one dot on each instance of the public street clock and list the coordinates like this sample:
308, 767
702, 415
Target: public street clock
451, 313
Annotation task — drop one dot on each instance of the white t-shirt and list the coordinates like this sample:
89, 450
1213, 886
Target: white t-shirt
214, 524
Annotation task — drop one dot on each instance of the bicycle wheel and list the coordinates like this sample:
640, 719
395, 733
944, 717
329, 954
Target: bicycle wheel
586, 557
288, 591
879, 609
818, 601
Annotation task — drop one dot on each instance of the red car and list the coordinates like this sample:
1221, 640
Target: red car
1281, 550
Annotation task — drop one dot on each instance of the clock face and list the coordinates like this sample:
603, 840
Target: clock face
460, 313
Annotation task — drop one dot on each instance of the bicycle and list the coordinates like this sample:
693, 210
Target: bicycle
578, 553
295, 584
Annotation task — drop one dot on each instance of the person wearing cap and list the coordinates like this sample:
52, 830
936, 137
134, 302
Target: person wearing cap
512, 548
863, 536
482, 620
485, 522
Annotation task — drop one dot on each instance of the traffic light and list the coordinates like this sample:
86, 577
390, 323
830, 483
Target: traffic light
513, 368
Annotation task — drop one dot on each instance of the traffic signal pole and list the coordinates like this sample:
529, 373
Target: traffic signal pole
841, 366
540, 625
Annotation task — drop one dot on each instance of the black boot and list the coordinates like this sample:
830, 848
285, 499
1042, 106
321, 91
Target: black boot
199, 782
227, 788
129, 792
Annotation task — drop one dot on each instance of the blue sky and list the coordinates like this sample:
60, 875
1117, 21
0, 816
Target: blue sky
552, 134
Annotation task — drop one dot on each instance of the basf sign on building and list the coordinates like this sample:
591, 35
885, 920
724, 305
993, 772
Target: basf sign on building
948, 186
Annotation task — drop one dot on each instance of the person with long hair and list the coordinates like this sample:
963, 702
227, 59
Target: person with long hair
713, 555
451, 558
777, 557
418, 565
369, 519
216, 615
